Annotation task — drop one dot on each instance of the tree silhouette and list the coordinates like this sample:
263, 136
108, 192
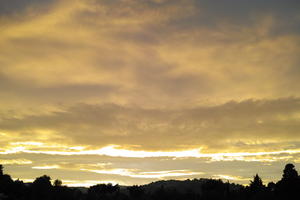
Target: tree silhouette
257, 184
135, 192
6, 183
42, 182
257, 189
57, 183
103, 191
289, 172
289, 186
42, 187
1, 170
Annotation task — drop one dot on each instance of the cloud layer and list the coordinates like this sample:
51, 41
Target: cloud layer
149, 76
248, 125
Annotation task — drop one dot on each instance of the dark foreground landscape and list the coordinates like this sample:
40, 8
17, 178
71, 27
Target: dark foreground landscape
203, 189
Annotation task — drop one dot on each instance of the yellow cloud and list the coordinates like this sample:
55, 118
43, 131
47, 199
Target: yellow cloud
115, 151
15, 161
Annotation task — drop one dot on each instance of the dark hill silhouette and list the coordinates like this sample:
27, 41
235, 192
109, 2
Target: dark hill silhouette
194, 185
197, 189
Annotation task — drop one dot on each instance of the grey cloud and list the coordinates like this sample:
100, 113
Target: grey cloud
28, 90
244, 8
246, 12
199, 14
15, 6
156, 79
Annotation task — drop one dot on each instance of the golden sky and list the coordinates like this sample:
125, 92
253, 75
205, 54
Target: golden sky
134, 91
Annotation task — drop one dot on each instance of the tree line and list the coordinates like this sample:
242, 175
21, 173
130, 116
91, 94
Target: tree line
197, 189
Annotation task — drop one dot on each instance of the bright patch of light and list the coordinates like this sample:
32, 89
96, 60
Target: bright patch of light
115, 151
85, 183
78, 148
230, 177
46, 167
136, 174
24, 180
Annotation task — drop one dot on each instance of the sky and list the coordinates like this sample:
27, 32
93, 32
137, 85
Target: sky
135, 91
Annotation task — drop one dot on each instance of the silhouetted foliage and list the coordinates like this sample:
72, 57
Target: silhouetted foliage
103, 191
1, 170
135, 192
256, 186
57, 183
197, 189
289, 172
256, 189
41, 188
289, 186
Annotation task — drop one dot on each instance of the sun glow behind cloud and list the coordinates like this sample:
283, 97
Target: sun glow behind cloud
116, 151
46, 167
86, 183
230, 178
